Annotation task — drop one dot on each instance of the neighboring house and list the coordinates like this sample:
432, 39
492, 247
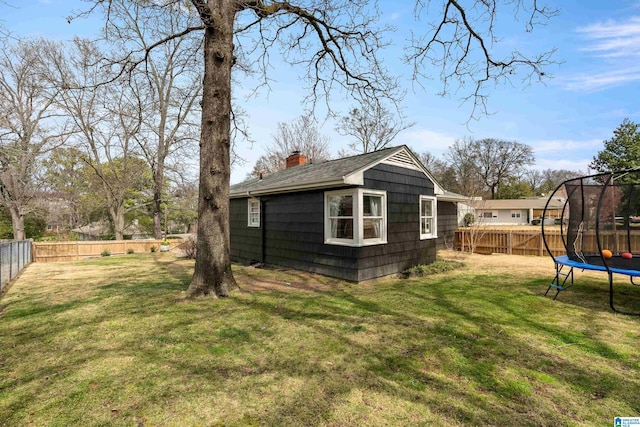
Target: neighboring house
102, 231
354, 218
58, 213
514, 211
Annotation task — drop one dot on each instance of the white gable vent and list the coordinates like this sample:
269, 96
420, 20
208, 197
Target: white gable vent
402, 159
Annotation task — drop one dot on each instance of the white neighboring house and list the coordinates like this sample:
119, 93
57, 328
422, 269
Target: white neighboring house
514, 211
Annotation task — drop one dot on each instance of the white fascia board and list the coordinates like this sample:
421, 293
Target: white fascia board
448, 198
356, 178
291, 188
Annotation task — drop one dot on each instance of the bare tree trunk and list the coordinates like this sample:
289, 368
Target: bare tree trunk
158, 179
117, 216
17, 221
212, 275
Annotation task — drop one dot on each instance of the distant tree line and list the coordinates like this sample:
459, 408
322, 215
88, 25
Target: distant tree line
80, 137
493, 169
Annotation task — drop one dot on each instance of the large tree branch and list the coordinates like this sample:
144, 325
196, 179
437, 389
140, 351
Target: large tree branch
460, 46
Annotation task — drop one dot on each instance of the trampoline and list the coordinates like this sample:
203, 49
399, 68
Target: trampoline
599, 229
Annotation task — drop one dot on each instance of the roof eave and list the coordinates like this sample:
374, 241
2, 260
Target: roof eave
340, 182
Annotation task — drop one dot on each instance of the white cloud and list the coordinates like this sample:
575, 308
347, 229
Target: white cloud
581, 164
617, 45
566, 154
613, 39
564, 145
597, 81
421, 140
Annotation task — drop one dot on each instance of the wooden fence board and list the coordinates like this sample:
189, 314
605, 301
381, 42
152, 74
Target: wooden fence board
531, 243
510, 242
75, 251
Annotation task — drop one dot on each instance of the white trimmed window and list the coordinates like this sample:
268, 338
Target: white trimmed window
515, 214
356, 217
254, 213
428, 218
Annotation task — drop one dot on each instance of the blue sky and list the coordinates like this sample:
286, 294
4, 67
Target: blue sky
565, 120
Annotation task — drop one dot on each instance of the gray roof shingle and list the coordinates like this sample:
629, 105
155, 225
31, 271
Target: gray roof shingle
329, 171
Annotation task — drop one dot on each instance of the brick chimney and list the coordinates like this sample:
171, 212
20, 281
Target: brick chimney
296, 159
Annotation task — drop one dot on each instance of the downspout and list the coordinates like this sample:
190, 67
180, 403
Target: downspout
263, 227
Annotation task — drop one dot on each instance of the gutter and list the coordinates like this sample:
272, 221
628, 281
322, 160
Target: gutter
295, 187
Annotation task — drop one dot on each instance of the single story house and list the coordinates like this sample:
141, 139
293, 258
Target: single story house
514, 211
354, 218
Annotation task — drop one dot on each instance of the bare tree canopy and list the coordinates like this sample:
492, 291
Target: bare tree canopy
300, 135
336, 45
496, 160
462, 163
30, 123
440, 170
372, 125
486, 164
106, 124
461, 46
171, 86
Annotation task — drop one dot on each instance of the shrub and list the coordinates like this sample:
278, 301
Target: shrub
154, 248
130, 251
439, 266
468, 219
106, 253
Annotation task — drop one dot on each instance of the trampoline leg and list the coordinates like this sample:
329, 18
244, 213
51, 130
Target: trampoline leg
613, 307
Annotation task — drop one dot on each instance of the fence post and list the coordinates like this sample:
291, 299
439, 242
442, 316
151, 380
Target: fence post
10, 260
540, 245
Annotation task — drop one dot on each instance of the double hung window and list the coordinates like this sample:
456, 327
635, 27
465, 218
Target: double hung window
254, 213
356, 217
428, 225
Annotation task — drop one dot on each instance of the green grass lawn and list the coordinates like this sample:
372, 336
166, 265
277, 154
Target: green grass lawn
112, 341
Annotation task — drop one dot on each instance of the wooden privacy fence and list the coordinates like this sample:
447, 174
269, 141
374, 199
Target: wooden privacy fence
529, 242
511, 242
75, 251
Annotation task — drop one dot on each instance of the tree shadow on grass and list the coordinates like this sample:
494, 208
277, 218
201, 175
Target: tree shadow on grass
466, 353
399, 370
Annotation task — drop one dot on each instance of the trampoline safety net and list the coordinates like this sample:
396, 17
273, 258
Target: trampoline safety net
601, 212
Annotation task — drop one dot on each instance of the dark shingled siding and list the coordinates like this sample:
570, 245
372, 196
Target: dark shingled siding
404, 248
246, 242
295, 237
447, 223
294, 230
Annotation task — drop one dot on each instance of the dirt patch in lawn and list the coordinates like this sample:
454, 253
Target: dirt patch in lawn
267, 278
506, 264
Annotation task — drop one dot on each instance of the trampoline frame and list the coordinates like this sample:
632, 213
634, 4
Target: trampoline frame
564, 280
